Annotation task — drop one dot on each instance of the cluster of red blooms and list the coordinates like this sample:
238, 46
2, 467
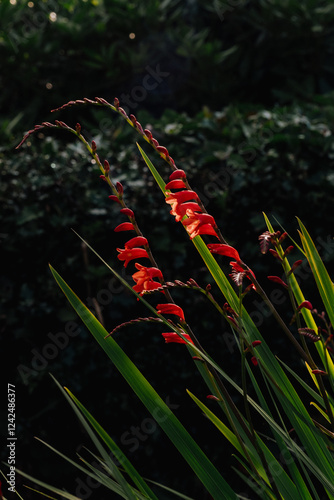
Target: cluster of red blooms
144, 277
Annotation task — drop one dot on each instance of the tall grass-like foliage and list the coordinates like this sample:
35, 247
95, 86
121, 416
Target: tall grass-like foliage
295, 460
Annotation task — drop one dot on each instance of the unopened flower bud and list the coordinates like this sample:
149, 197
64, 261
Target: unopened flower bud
148, 134
78, 128
94, 147
116, 103
162, 150
119, 188
106, 166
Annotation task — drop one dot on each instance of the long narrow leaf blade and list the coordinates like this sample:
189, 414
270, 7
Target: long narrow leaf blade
198, 461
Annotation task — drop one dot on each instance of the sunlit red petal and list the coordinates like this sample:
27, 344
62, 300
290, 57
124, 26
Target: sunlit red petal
175, 184
125, 226
136, 241
128, 254
177, 174
174, 337
221, 249
171, 309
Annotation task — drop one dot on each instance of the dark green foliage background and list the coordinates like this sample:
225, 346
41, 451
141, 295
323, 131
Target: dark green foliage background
246, 110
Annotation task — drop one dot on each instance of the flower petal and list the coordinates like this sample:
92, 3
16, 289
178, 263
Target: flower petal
125, 226
226, 250
171, 309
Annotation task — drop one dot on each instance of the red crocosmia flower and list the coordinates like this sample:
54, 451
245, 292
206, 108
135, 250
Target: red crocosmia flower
254, 361
196, 221
174, 337
125, 226
177, 174
175, 184
278, 280
128, 254
307, 304
181, 197
179, 209
127, 211
136, 241
171, 309
226, 250
238, 273
144, 278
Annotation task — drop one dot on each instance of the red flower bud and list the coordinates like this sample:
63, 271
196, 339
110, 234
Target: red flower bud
113, 197
294, 266
78, 128
106, 166
288, 250
119, 188
254, 361
278, 280
177, 174
128, 212
148, 134
210, 396
94, 147
125, 226
319, 372
133, 119
155, 142
116, 103
175, 184
162, 150
307, 304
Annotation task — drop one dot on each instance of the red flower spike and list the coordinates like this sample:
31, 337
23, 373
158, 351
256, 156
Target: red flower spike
254, 361
278, 280
307, 304
226, 250
171, 309
128, 212
265, 241
177, 174
148, 134
128, 254
125, 226
162, 150
319, 372
174, 337
113, 197
175, 184
119, 188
